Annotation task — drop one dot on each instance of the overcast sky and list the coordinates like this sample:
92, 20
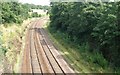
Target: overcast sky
37, 2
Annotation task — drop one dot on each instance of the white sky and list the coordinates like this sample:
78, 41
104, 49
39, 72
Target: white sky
47, 2
37, 2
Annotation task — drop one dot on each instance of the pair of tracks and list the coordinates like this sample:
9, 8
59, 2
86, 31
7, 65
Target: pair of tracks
40, 55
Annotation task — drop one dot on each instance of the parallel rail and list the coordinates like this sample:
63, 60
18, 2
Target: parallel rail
40, 55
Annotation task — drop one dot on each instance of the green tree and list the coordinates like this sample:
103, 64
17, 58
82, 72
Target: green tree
97, 24
14, 12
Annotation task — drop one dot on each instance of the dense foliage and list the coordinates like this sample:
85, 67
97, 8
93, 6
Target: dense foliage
94, 24
13, 12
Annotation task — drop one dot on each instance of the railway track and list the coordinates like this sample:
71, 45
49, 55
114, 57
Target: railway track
40, 55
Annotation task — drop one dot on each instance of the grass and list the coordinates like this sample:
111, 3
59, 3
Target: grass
78, 57
8, 36
12, 39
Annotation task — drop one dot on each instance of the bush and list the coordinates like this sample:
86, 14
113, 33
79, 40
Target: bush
34, 14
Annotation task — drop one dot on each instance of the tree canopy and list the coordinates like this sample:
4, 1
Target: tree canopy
14, 12
97, 24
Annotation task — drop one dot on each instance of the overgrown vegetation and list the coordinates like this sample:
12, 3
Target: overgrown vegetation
12, 44
95, 25
78, 56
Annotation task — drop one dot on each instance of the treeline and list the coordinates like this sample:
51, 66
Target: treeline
94, 24
32, 6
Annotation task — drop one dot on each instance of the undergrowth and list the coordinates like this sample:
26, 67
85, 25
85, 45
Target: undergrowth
78, 56
11, 45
